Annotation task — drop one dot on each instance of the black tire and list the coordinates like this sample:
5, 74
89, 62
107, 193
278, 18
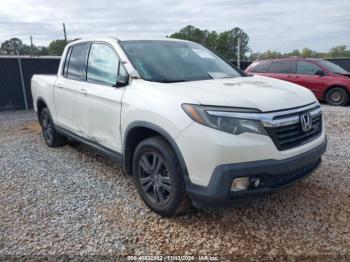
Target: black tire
51, 137
158, 177
337, 96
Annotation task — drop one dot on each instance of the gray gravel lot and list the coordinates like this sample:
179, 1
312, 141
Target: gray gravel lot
70, 200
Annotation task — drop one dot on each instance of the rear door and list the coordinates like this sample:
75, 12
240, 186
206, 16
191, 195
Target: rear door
100, 100
306, 77
282, 69
67, 87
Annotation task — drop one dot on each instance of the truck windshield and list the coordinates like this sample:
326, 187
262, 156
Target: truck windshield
333, 67
175, 61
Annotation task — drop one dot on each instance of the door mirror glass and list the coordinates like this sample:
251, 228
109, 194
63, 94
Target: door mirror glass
319, 73
123, 77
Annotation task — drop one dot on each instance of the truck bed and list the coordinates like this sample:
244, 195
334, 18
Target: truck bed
43, 85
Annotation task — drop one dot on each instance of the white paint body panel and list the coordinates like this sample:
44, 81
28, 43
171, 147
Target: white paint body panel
99, 114
204, 148
105, 113
263, 93
66, 94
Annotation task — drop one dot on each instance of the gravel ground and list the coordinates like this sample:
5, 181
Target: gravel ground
72, 201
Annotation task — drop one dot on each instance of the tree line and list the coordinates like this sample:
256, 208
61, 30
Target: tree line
14, 45
224, 43
335, 52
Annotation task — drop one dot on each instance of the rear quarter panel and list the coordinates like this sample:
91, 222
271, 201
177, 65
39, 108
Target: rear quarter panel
42, 89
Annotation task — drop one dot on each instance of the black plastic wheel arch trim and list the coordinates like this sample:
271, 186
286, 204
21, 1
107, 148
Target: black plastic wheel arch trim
165, 134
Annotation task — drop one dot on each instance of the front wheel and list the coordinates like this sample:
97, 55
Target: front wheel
158, 177
51, 137
337, 96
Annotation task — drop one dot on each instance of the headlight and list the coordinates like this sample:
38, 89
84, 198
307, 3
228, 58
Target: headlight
215, 117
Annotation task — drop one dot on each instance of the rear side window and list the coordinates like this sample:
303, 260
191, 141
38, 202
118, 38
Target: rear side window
282, 67
261, 67
102, 65
77, 62
307, 68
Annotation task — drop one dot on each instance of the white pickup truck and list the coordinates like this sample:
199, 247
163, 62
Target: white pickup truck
189, 127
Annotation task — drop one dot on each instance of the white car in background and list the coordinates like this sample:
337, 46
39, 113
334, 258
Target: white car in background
187, 125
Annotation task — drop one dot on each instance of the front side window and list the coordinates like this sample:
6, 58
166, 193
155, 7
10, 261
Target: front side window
260, 67
102, 65
77, 62
333, 67
307, 68
281, 67
176, 61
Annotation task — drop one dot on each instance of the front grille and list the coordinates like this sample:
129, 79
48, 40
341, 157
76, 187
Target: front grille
289, 136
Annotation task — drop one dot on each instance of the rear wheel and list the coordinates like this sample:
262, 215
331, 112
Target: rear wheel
158, 177
337, 96
51, 137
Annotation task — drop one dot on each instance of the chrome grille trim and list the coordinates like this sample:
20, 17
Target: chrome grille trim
285, 118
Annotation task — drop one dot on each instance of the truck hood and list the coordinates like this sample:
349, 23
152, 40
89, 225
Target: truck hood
259, 92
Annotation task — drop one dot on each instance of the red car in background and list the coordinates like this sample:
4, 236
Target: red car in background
328, 81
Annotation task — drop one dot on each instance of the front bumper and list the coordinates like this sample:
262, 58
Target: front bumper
274, 174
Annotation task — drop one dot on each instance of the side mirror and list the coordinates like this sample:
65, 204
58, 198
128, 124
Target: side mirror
123, 77
123, 80
319, 73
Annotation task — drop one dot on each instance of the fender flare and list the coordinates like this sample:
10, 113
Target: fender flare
162, 132
40, 98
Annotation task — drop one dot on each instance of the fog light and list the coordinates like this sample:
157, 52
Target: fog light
240, 184
256, 182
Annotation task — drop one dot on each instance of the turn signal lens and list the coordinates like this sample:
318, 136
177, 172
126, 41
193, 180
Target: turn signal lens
191, 111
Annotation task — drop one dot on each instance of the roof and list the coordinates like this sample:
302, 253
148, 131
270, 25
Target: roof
291, 58
154, 39
110, 38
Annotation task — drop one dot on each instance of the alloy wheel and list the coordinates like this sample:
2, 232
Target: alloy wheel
154, 178
47, 128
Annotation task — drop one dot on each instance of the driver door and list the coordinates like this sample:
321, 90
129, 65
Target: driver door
100, 100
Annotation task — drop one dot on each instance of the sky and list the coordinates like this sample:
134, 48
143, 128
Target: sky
271, 25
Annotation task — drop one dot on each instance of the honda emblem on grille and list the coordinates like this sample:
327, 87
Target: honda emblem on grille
306, 122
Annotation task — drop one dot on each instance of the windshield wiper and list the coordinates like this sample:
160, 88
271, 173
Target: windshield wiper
171, 81
225, 77
181, 80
